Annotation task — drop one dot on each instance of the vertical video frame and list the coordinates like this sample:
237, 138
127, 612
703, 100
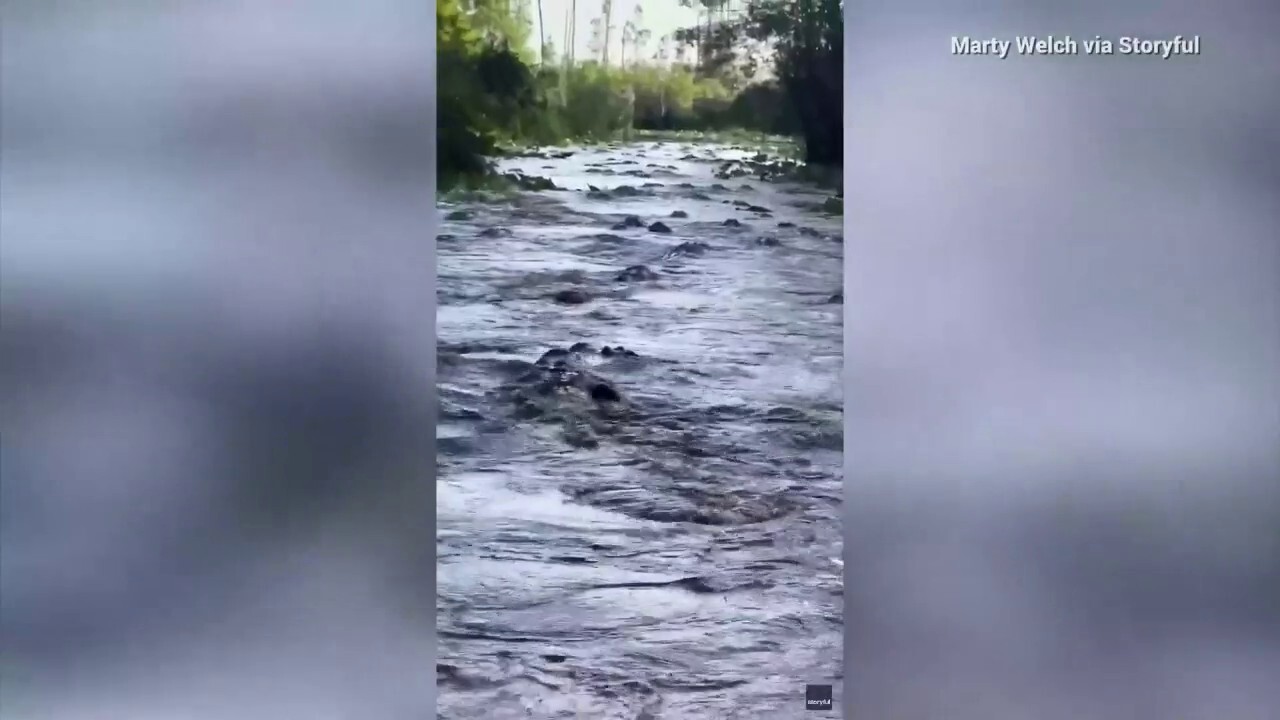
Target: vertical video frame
639, 338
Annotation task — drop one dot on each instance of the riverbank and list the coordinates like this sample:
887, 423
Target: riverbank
768, 158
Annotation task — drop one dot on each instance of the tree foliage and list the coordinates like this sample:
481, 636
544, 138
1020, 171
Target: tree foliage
481, 84
808, 41
805, 40
493, 88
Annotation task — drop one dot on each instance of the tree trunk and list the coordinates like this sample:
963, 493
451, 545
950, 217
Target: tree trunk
542, 38
608, 19
697, 43
573, 31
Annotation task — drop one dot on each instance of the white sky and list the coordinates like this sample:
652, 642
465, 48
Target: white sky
661, 17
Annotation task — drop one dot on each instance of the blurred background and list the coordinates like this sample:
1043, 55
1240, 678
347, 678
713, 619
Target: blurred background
218, 351
1062, 334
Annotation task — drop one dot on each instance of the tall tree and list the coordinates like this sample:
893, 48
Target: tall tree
607, 17
631, 30
542, 38
595, 44
635, 34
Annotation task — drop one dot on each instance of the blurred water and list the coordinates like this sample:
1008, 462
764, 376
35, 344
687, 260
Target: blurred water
214, 274
1063, 339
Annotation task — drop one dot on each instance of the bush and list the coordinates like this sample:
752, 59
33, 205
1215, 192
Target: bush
490, 95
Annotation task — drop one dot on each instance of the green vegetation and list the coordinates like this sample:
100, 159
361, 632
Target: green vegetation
495, 90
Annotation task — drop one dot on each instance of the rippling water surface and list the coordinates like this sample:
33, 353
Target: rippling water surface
639, 471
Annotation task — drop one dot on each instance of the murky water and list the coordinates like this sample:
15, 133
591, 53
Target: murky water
644, 521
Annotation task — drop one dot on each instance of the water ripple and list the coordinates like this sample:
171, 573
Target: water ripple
639, 443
